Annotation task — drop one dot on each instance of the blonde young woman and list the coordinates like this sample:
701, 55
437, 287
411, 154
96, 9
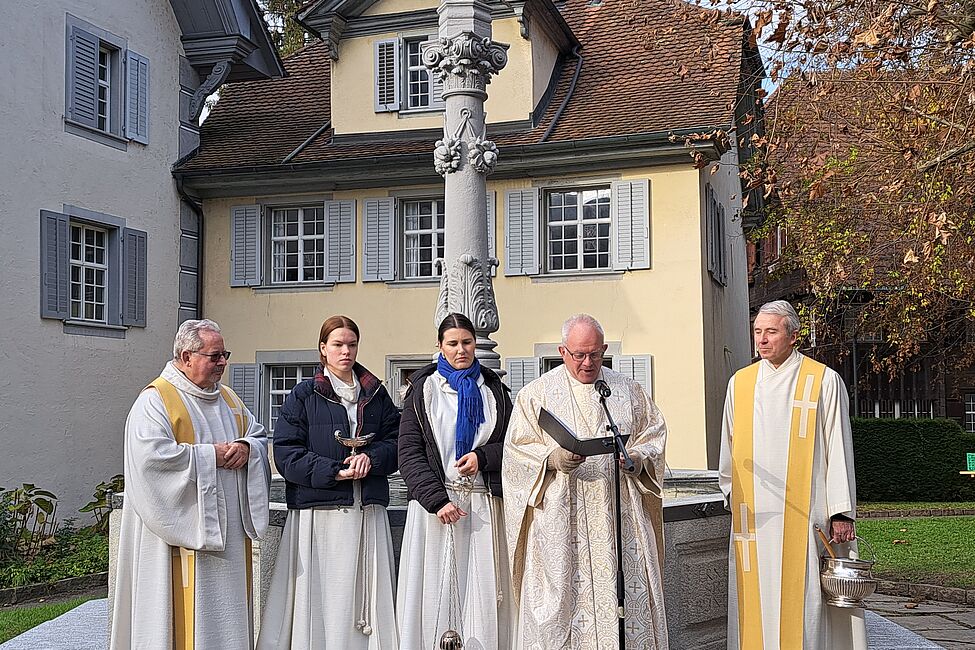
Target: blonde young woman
453, 566
332, 585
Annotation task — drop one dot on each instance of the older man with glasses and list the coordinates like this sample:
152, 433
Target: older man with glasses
196, 494
560, 506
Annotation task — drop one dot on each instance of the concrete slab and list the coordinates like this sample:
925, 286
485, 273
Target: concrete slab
83, 628
886, 635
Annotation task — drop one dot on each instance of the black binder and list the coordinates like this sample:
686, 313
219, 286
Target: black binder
563, 435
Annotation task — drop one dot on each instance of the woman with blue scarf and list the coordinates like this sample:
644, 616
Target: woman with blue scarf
453, 572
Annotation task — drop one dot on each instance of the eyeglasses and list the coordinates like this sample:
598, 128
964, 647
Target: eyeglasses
579, 357
216, 356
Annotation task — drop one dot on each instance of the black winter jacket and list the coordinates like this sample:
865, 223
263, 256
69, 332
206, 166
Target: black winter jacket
309, 457
419, 456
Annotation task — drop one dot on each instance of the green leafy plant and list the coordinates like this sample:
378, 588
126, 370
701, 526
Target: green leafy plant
33, 518
101, 501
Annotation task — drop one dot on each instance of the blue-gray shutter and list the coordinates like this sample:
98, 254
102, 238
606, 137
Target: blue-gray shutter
521, 232
492, 227
55, 255
386, 67
244, 381
136, 97
340, 241
436, 85
639, 368
378, 231
709, 220
82, 77
245, 246
134, 277
520, 371
631, 222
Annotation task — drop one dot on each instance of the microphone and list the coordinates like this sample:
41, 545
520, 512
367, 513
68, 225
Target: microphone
602, 388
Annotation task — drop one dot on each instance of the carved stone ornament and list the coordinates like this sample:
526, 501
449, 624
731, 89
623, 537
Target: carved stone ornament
482, 155
465, 61
466, 288
446, 155
214, 80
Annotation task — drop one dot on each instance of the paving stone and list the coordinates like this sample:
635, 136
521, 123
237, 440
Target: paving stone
883, 634
965, 618
924, 623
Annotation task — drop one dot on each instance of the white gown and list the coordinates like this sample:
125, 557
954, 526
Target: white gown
332, 584
478, 604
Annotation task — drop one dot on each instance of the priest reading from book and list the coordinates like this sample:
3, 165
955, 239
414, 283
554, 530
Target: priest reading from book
786, 467
196, 494
560, 506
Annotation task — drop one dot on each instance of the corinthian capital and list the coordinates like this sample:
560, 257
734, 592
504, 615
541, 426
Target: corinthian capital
465, 62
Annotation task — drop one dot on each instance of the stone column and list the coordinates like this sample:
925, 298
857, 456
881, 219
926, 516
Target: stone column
464, 59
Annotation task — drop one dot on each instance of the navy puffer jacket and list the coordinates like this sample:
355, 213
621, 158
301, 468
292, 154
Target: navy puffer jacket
309, 457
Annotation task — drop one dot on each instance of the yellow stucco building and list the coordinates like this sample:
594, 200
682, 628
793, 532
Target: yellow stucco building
319, 197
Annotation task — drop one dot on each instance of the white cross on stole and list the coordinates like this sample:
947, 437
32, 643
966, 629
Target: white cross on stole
805, 405
744, 538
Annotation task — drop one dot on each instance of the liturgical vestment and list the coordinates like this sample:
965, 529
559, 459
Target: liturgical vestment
184, 558
561, 527
786, 464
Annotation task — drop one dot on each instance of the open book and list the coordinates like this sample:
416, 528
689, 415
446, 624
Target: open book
563, 435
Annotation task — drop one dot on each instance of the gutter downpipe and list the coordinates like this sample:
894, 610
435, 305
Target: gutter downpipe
311, 138
568, 95
198, 209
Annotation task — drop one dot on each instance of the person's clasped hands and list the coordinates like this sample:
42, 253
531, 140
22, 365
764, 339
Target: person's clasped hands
232, 455
563, 460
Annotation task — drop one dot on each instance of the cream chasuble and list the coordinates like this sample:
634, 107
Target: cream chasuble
561, 527
184, 559
786, 464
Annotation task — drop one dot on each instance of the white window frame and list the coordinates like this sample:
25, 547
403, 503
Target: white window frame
302, 240
403, 233
88, 268
579, 223
970, 412
275, 395
411, 101
395, 365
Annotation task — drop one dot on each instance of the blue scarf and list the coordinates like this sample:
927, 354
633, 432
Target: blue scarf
470, 407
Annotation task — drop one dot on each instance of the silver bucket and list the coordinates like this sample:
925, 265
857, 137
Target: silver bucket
846, 581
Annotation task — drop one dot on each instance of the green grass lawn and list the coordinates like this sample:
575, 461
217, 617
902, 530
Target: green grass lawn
929, 550
915, 505
17, 620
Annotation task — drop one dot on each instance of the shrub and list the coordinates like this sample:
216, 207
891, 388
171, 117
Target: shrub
73, 554
99, 505
911, 460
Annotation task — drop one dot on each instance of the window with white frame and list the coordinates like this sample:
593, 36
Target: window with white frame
402, 82
298, 244
423, 236
89, 272
577, 228
970, 412
106, 86
281, 381
564, 229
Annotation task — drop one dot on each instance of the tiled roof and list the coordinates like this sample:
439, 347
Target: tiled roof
649, 66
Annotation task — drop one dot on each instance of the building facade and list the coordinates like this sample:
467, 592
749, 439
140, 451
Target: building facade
101, 253
320, 197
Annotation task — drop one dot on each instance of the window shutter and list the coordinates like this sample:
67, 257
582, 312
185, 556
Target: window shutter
387, 62
134, 277
378, 231
55, 255
492, 226
136, 97
520, 371
436, 85
244, 382
245, 248
521, 232
340, 240
631, 221
709, 227
638, 368
82, 76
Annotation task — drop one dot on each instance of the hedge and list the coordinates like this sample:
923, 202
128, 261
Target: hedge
912, 460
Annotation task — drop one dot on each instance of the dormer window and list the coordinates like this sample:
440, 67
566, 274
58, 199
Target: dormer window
402, 81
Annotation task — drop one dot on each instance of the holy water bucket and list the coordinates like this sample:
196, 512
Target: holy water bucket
846, 581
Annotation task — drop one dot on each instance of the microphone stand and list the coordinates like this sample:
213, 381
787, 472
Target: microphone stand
621, 455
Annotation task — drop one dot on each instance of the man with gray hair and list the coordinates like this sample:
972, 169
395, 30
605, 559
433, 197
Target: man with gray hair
786, 468
196, 494
559, 506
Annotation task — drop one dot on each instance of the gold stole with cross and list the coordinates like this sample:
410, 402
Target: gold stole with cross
184, 560
798, 491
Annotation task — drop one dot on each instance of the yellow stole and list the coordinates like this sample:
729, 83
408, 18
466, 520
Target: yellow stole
795, 530
184, 560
